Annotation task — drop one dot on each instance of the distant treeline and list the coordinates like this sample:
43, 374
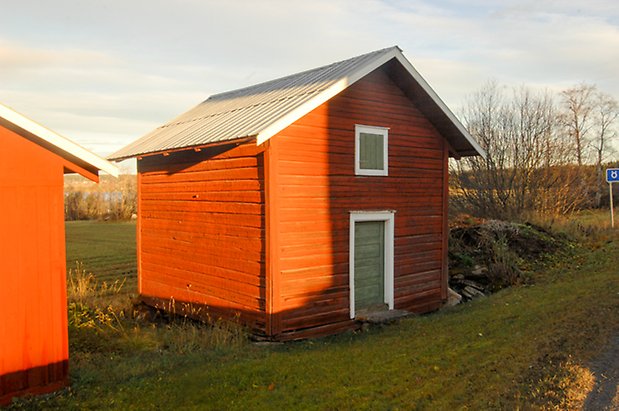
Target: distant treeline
111, 199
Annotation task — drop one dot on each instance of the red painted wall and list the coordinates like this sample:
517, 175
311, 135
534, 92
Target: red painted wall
201, 232
33, 311
317, 188
264, 231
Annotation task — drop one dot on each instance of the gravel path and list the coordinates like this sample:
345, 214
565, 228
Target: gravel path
605, 394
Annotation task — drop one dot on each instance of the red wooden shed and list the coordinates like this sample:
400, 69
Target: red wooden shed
33, 307
303, 203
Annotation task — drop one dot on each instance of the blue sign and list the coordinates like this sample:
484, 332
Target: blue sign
612, 175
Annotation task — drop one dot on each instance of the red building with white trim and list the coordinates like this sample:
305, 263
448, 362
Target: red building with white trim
33, 307
303, 203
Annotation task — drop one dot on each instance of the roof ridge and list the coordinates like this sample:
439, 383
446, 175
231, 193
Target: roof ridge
230, 93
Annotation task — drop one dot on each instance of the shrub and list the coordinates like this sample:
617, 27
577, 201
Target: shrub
111, 199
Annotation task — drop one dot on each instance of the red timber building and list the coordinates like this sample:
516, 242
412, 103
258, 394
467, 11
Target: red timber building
34, 349
303, 203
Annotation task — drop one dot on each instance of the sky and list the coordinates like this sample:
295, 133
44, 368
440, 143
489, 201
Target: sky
105, 72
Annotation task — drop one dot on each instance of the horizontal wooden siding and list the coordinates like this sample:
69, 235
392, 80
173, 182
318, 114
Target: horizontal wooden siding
201, 230
318, 188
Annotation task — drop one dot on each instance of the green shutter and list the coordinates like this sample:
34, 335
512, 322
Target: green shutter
369, 270
371, 151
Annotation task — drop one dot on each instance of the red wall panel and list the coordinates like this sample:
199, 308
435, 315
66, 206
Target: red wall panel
33, 316
317, 188
201, 231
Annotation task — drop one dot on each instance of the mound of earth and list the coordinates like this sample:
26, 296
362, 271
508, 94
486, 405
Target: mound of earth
488, 255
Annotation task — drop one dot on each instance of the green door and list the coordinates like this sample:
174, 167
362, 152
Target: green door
369, 269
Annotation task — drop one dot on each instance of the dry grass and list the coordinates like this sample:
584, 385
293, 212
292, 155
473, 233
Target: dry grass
82, 286
588, 226
577, 385
562, 384
104, 318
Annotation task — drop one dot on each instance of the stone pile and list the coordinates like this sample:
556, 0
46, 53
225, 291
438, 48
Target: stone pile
471, 284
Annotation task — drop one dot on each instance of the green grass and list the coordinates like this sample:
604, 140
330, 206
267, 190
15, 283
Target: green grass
518, 348
106, 249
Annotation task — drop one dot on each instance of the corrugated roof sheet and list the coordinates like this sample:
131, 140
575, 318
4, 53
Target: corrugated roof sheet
243, 112
261, 110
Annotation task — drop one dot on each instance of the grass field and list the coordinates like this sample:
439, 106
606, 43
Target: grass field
106, 249
523, 348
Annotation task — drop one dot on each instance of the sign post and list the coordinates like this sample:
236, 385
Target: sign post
612, 176
612, 209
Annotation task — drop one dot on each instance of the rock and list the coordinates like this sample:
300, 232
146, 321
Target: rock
473, 284
471, 292
479, 271
381, 316
453, 298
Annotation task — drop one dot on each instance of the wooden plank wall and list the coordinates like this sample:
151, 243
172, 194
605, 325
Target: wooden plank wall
318, 188
201, 222
33, 307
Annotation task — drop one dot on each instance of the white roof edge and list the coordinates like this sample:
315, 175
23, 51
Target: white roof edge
426, 87
323, 96
57, 140
336, 88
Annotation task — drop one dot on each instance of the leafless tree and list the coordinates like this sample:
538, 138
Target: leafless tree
485, 184
606, 112
527, 166
588, 117
576, 118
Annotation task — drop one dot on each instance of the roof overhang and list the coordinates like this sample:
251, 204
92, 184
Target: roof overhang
83, 159
461, 143
196, 148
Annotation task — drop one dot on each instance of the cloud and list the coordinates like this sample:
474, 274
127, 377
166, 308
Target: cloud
554, 48
81, 94
15, 57
93, 71
552, 44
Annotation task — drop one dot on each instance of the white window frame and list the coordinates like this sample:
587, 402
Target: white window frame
383, 131
388, 216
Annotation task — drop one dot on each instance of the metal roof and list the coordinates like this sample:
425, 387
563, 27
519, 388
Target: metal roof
265, 109
62, 146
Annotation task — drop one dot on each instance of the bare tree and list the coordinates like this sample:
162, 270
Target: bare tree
526, 168
589, 117
485, 184
606, 112
577, 103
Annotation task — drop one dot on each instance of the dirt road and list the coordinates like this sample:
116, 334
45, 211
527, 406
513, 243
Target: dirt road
605, 393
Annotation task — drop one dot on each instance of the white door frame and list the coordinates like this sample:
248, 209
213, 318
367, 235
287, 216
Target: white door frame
388, 217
